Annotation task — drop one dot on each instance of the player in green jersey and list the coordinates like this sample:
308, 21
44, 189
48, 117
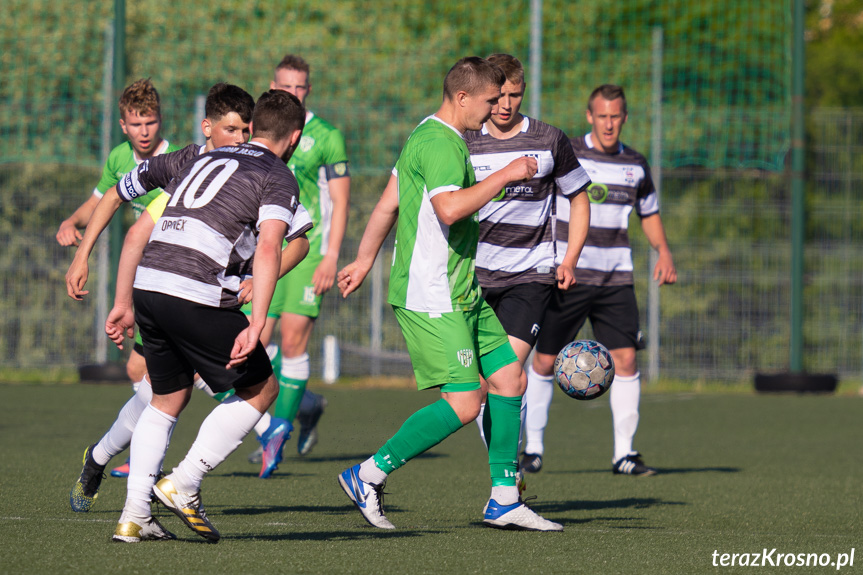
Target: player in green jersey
141, 121
320, 165
452, 334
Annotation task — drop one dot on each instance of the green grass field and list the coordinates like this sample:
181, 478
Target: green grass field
739, 473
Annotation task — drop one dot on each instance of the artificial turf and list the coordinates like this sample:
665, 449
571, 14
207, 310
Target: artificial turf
739, 473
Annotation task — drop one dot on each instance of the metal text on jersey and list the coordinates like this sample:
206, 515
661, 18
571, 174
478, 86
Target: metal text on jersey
177, 225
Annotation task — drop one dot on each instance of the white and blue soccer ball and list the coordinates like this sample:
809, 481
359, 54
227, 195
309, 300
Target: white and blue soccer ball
584, 369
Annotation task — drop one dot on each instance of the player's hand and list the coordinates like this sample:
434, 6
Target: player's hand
76, 279
665, 272
245, 293
351, 277
120, 323
68, 234
244, 345
325, 275
522, 168
565, 277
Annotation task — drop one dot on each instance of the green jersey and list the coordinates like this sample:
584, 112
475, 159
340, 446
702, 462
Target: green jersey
319, 158
433, 264
123, 160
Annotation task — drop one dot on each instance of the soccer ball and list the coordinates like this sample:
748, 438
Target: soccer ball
584, 369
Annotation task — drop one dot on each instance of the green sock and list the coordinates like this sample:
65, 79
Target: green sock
501, 424
421, 431
290, 394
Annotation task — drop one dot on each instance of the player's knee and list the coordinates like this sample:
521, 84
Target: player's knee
543, 363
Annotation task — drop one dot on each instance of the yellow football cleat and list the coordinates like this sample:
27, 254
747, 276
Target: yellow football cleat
188, 507
137, 530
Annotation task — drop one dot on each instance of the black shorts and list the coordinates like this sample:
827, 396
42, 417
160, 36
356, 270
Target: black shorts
613, 314
520, 308
182, 337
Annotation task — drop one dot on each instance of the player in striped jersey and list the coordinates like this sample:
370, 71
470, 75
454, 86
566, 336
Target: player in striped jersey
228, 113
515, 262
227, 206
452, 334
605, 293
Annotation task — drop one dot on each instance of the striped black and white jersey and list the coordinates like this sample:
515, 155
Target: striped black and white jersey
620, 182
516, 229
203, 244
130, 186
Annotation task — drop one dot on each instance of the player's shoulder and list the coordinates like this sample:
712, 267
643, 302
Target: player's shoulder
318, 124
172, 147
543, 130
579, 144
632, 156
121, 152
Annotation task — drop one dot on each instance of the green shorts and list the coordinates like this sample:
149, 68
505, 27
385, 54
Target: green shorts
453, 349
295, 293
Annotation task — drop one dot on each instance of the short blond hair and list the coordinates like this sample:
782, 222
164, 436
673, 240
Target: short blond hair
141, 97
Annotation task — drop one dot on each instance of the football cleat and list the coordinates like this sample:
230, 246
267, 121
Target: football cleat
308, 421
136, 530
186, 506
121, 471
368, 498
273, 441
257, 456
531, 462
632, 465
517, 516
86, 489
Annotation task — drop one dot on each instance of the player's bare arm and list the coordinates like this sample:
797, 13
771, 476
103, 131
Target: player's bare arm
457, 205
265, 270
664, 272
68, 234
579, 222
76, 276
121, 318
325, 274
381, 221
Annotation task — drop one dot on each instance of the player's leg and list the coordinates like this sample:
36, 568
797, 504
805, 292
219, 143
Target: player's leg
205, 343
443, 354
136, 369
502, 423
117, 439
171, 379
615, 324
566, 314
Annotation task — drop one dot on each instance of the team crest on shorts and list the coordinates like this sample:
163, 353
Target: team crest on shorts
465, 357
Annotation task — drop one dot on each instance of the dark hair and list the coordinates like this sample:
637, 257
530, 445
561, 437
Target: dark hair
223, 99
293, 62
511, 66
471, 74
277, 114
609, 92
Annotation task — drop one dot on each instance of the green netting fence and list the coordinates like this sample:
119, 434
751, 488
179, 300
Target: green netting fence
377, 69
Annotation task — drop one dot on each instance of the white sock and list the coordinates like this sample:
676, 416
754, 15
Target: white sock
505, 494
263, 424
221, 433
371, 473
479, 425
540, 392
297, 368
199, 383
119, 436
625, 395
149, 444
523, 417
